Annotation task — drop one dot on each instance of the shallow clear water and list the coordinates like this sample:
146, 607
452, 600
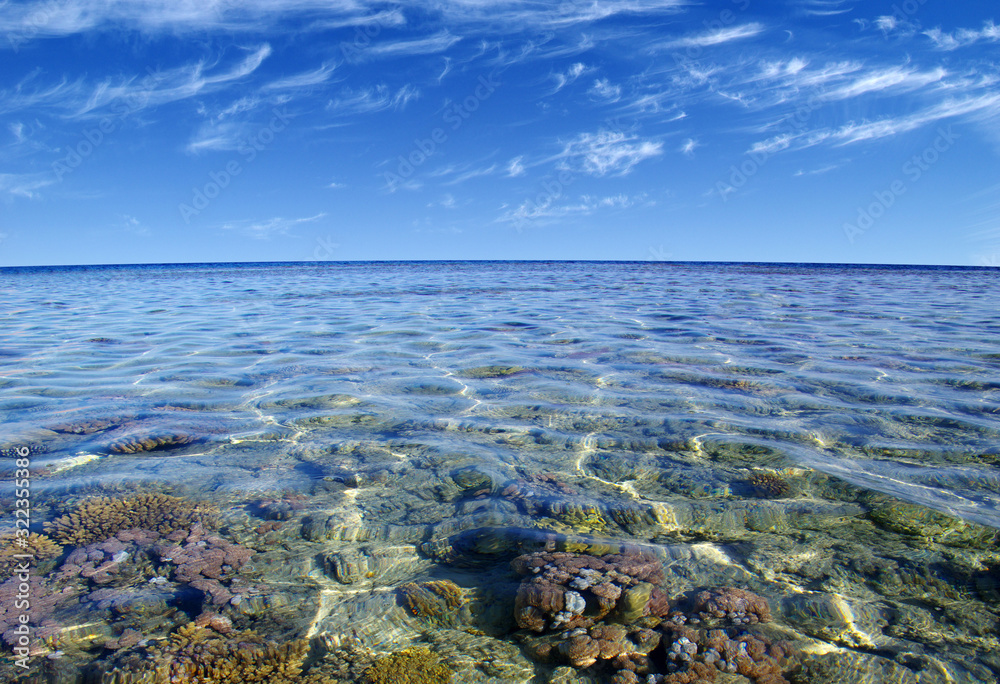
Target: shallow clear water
571, 392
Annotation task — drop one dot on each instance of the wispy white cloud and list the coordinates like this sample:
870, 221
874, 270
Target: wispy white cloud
541, 48
715, 37
373, 99
419, 46
473, 173
16, 129
963, 37
688, 147
380, 19
604, 90
129, 94
848, 134
986, 105
23, 184
447, 202
556, 208
243, 104
515, 15
459, 173
823, 8
574, 72
605, 152
891, 24
879, 80
304, 80
262, 230
816, 172
217, 136
515, 167
43, 19
130, 224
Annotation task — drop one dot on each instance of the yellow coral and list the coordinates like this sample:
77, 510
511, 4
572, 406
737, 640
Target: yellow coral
40, 547
435, 600
99, 518
197, 655
412, 666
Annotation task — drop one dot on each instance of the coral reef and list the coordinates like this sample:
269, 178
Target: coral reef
104, 561
435, 601
600, 612
206, 562
768, 485
410, 666
568, 590
342, 662
200, 655
672, 654
697, 655
42, 600
737, 605
136, 445
570, 516
611, 644
476, 656
40, 547
101, 517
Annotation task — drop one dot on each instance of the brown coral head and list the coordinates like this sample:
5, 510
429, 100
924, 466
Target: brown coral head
738, 606
768, 486
431, 599
137, 445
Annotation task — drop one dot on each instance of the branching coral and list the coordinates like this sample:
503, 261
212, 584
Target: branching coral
411, 666
38, 546
199, 655
100, 518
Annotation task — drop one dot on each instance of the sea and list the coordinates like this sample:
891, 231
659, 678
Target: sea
369, 446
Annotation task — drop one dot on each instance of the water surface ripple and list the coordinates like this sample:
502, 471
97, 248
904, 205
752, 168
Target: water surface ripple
888, 378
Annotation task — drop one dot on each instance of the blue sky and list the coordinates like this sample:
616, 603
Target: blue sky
139, 131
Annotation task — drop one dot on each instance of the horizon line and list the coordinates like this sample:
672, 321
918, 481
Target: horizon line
829, 264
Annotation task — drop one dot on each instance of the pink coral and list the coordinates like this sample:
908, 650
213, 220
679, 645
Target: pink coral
102, 562
564, 590
42, 600
206, 562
